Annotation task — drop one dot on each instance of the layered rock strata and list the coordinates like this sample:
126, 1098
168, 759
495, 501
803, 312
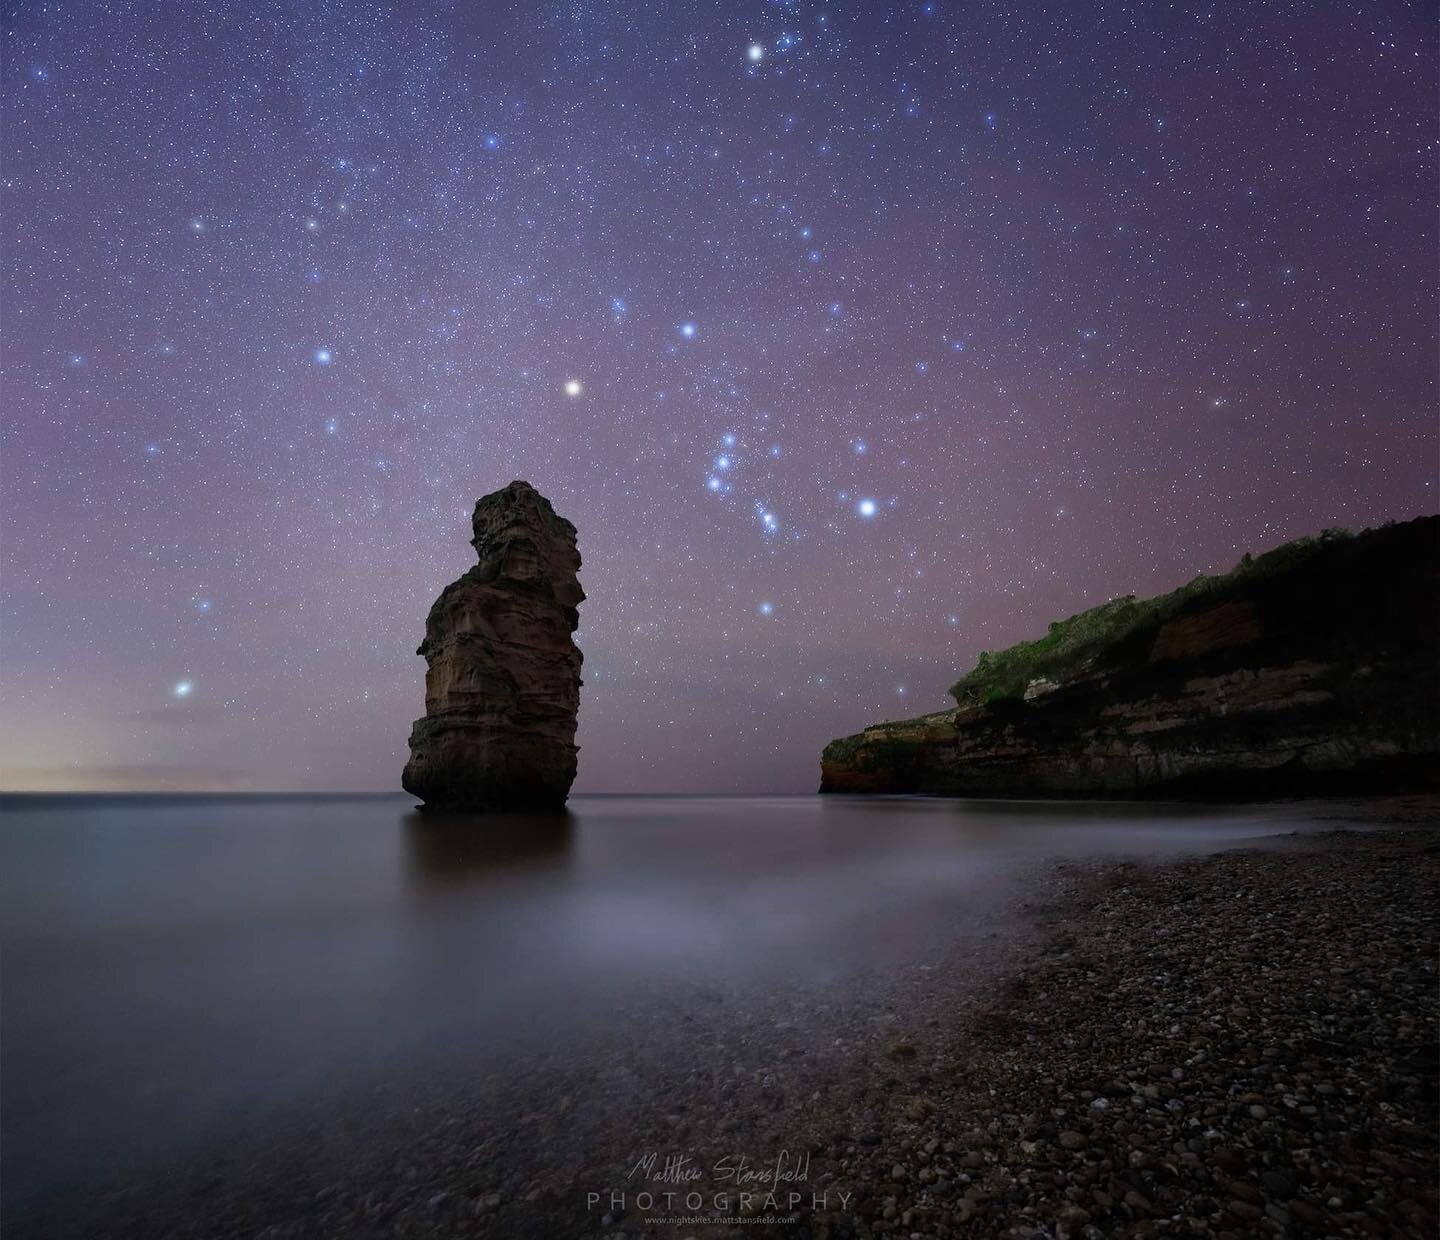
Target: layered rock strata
1314, 668
502, 685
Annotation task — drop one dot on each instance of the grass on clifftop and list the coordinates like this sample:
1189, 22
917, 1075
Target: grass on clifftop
1070, 644
891, 748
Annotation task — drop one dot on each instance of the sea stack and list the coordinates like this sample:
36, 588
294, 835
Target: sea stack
502, 681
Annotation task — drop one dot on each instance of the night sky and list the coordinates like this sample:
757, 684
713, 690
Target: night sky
855, 338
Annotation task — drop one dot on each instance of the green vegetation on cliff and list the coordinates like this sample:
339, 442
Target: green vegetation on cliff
1311, 667
1074, 644
893, 741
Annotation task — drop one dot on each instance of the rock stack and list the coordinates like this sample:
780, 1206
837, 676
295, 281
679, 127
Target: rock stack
502, 686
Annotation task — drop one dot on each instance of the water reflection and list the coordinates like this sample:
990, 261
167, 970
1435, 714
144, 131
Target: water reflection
452, 848
178, 968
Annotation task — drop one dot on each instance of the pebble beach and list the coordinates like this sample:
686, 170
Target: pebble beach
1240, 1043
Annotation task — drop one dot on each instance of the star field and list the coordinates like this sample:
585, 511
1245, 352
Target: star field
854, 338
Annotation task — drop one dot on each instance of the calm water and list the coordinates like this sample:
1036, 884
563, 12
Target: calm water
176, 968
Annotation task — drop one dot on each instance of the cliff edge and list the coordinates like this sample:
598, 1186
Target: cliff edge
1314, 668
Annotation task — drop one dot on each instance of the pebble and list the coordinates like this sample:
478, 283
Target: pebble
1223, 1046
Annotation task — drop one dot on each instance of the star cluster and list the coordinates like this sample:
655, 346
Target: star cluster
855, 338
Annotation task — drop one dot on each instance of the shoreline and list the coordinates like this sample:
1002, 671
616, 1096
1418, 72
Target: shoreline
1015, 1082
1236, 1044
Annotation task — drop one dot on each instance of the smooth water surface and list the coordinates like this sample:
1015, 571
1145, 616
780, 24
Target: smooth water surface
174, 968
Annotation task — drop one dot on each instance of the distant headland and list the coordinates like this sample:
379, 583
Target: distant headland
1314, 668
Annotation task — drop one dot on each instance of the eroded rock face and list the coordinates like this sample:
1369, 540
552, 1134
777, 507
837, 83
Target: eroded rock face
1309, 670
502, 685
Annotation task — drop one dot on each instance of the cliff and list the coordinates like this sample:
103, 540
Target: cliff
1312, 668
502, 681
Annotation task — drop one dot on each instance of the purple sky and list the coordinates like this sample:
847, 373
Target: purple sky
900, 330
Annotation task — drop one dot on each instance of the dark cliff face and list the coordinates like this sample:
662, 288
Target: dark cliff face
502, 686
1314, 668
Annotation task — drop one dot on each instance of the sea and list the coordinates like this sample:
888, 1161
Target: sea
177, 968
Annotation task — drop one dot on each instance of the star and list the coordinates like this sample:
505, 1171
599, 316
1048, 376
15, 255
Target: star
183, 688
354, 317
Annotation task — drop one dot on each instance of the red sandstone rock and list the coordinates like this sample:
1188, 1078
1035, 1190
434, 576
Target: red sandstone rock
502, 688
1310, 670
